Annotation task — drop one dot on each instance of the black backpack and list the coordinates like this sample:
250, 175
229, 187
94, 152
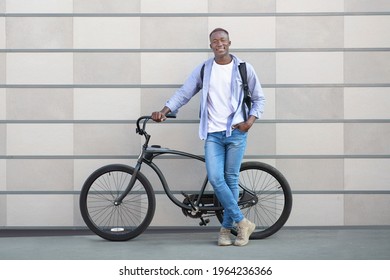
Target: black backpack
247, 94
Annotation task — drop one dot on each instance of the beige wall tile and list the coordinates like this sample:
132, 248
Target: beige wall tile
154, 100
157, 68
366, 32
106, 32
39, 68
309, 103
313, 174
39, 6
309, 139
367, 174
317, 210
182, 137
367, 103
309, 68
39, 139
83, 168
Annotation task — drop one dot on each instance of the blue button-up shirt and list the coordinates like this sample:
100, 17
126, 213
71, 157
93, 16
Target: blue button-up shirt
194, 84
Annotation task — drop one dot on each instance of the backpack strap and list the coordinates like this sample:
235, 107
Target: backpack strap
202, 72
247, 94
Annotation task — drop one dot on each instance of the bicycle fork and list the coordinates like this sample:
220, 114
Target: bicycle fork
119, 200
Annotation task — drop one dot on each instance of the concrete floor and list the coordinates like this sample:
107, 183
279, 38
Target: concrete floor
191, 244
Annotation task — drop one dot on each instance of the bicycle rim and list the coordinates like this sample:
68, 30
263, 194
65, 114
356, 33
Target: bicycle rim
117, 222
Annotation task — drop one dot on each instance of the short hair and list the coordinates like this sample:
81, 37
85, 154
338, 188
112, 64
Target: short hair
217, 30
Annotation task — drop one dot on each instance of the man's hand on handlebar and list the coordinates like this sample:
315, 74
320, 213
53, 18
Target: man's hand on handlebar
160, 116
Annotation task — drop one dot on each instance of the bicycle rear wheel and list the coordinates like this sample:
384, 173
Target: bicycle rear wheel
271, 206
117, 222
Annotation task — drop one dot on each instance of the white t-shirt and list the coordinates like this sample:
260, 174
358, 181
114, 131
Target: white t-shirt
219, 103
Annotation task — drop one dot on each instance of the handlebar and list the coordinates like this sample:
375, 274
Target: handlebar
146, 119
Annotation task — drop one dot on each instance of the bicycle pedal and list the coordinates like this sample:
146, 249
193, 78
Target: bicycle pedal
204, 222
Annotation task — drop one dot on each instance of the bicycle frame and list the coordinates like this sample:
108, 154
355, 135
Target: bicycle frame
147, 155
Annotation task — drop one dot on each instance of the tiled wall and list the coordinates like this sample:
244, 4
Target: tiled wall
76, 74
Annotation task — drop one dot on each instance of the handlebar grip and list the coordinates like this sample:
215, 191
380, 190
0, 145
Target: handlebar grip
171, 116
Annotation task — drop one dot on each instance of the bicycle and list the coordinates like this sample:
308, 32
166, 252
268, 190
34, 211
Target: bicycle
117, 202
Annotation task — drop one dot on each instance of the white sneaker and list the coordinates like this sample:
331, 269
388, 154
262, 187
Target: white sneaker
224, 237
244, 231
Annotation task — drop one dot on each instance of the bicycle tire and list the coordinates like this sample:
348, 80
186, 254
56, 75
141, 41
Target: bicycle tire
122, 222
274, 198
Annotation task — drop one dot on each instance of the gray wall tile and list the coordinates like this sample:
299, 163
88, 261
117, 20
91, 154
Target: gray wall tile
231, 6
39, 32
174, 6
39, 104
367, 67
103, 6
367, 6
105, 139
174, 33
309, 32
361, 210
3, 139
2, 68
3, 210
263, 63
106, 68
309, 103
367, 138
2, 32
299, 6
39, 175
261, 140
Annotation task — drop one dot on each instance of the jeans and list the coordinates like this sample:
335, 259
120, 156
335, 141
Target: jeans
223, 160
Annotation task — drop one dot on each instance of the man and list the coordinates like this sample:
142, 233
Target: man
223, 125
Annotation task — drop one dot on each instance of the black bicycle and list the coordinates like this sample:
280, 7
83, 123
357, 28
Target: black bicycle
117, 201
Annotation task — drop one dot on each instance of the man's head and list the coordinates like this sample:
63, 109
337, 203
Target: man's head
220, 42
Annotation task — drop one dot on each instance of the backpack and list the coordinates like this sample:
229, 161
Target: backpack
244, 78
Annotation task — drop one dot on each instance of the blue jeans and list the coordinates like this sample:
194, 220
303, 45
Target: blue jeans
223, 160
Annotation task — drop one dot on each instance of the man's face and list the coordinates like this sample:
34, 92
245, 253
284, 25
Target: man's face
220, 43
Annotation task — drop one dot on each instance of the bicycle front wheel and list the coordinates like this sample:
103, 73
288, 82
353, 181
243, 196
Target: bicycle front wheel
117, 222
271, 199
